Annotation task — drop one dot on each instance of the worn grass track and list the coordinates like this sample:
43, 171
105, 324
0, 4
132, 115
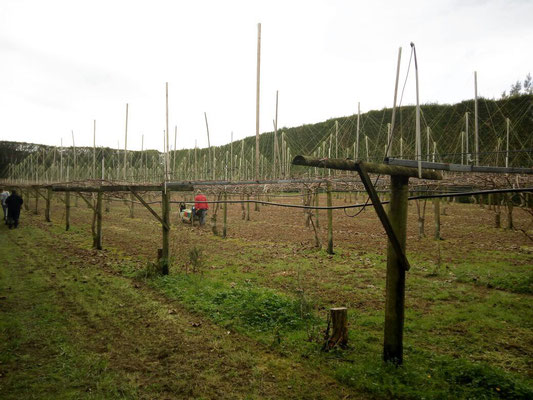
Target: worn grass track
71, 328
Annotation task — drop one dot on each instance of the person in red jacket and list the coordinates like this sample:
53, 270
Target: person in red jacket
201, 207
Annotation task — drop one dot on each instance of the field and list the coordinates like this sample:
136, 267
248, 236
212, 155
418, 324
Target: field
244, 317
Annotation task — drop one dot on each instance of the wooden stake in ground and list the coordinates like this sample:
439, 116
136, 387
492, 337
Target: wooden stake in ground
330, 220
257, 101
436, 205
395, 297
224, 229
98, 211
48, 200
338, 320
67, 211
36, 201
165, 254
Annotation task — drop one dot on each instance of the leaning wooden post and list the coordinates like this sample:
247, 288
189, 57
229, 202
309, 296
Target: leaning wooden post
48, 200
165, 204
225, 215
330, 220
395, 289
98, 237
67, 210
436, 204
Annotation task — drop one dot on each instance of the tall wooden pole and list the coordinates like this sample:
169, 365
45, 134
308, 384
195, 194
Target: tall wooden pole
67, 211
330, 219
395, 288
94, 149
164, 261
357, 132
224, 230
210, 163
166, 137
175, 153
48, 201
257, 101
276, 150
393, 119
467, 149
126, 145
98, 237
231, 158
476, 137
61, 162
417, 124
74, 173
508, 123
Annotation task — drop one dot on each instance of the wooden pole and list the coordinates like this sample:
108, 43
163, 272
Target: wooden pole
175, 153
36, 201
357, 132
126, 145
98, 211
224, 229
317, 204
67, 211
436, 205
94, 150
395, 288
466, 140
476, 137
48, 200
330, 220
257, 101
166, 135
417, 120
164, 261
389, 145
508, 123
61, 162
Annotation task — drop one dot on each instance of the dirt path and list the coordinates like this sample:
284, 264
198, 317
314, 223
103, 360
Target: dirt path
72, 329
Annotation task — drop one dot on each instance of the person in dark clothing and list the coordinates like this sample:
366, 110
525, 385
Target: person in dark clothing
13, 203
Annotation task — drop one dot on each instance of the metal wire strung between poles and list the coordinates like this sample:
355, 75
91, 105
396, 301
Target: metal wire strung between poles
427, 196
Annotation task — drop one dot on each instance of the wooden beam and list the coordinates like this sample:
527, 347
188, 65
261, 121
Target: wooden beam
144, 203
123, 188
375, 168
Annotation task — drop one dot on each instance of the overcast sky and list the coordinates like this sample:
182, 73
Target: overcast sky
66, 63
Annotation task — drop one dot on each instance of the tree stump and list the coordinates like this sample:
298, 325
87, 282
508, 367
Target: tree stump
338, 320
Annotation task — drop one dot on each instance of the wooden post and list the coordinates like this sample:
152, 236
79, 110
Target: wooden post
224, 230
48, 200
317, 204
338, 319
258, 86
164, 260
395, 288
131, 205
248, 207
67, 211
510, 206
36, 201
476, 133
330, 220
97, 243
436, 204
27, 201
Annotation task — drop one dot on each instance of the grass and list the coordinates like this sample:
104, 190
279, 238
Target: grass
464, 337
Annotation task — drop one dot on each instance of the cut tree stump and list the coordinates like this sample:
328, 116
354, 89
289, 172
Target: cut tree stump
338, 320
